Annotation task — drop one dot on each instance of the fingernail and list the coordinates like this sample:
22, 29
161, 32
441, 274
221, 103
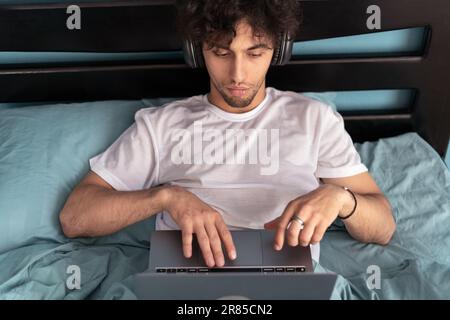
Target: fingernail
233, 255
277, 247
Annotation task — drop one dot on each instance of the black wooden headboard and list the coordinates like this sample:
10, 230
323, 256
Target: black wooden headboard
147, 26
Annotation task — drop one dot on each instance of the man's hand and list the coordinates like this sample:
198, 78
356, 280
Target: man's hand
194, 216
317, 209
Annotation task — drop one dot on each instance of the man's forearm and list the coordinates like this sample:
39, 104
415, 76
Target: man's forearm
372, 220
95, 211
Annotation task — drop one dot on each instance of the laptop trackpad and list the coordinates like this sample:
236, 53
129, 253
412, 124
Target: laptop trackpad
248, 247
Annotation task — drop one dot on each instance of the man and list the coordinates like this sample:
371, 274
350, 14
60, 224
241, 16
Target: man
242, 156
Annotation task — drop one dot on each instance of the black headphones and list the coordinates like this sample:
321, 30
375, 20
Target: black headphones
193, 53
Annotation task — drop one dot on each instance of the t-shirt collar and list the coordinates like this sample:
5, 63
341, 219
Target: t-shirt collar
236, 116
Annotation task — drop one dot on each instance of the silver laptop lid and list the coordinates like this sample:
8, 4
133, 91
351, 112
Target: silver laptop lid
236, 286
254, 248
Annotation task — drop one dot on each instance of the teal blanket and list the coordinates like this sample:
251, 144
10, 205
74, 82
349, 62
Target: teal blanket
415, 265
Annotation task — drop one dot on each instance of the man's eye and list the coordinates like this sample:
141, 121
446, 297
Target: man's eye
220, 54
256, 55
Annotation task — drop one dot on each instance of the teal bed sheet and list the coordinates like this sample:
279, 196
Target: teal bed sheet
415, 265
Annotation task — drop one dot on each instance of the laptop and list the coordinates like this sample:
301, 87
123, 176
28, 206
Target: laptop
259, 272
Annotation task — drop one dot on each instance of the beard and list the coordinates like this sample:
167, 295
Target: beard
239, 102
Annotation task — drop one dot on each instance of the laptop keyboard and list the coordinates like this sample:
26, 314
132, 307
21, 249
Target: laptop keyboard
228, 270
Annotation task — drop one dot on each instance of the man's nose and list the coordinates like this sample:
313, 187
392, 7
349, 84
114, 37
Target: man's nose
237, 70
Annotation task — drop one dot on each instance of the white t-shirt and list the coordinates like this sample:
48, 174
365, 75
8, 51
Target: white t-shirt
247, 166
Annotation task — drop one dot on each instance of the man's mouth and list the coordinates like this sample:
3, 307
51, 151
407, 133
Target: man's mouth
238, 92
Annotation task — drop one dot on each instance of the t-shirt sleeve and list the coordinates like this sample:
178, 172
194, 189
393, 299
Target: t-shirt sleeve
131, 162
337, 156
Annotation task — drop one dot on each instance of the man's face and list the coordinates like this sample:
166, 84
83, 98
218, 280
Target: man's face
244, 64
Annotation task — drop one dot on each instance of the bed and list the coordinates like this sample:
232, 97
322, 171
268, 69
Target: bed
71, 111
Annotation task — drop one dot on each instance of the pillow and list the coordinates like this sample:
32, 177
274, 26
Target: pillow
44, 152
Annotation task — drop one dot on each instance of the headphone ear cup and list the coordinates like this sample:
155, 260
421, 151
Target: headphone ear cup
193, 54
188, 53
283, 52
276, 53
199, 59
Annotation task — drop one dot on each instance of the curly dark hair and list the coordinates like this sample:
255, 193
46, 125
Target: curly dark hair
214, 21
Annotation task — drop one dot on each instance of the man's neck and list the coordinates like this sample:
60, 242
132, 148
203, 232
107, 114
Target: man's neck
216, 99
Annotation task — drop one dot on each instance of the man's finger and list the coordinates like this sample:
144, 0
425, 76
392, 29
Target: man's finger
305, 236
187, 241
319, 231
282, 225
203, 241
227, 239
216, 245
293, 232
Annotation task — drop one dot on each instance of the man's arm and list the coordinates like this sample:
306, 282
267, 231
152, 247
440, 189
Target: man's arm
95, 208
371, 222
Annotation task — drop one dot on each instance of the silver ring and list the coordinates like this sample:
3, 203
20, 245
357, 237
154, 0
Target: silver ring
297, 218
